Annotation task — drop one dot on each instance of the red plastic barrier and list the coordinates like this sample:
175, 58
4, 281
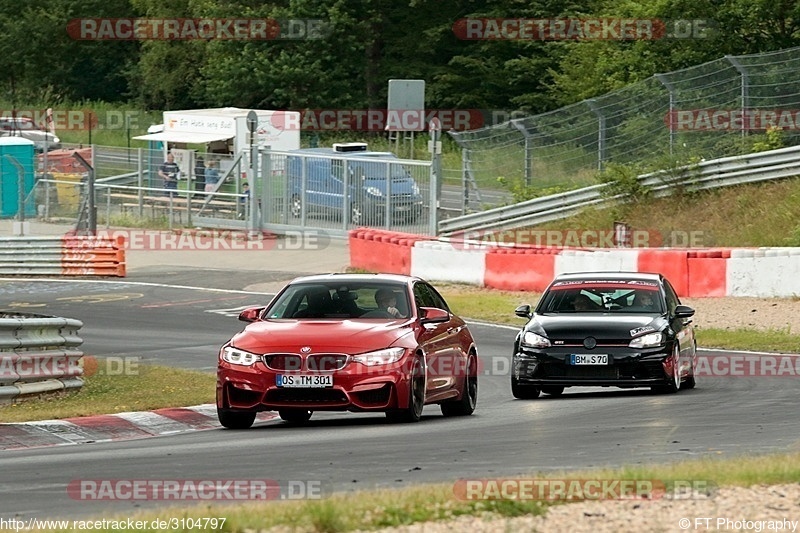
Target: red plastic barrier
382, 251
707, 276
64, 161
93, 256
520, 269
671, 263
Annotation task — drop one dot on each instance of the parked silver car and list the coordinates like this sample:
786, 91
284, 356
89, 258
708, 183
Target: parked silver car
28, 129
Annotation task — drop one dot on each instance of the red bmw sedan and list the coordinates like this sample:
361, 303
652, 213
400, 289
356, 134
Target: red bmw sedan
348, 342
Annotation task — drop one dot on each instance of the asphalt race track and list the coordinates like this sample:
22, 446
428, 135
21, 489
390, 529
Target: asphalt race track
164, 323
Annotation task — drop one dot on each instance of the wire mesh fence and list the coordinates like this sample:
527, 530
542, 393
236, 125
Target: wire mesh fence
716, 109
307, 189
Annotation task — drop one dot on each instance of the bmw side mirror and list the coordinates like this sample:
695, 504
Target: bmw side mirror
684, 311
432, 315
523, 311
251, 314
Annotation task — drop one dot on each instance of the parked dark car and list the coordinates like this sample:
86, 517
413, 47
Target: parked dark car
364, 189
348, 342
608, 329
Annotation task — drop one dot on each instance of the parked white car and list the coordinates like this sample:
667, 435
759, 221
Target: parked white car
28, 129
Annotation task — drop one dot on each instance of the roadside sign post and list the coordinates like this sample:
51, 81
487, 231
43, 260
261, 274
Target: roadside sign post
252, 126
435, 148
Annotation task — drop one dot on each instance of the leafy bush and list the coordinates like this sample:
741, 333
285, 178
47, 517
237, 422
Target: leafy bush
772, 139
521, 191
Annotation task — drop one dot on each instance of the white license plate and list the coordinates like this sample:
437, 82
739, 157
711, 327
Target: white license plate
304, 381
588, 359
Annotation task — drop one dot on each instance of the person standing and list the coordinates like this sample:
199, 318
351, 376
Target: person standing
169, 173
211, 176
199, 174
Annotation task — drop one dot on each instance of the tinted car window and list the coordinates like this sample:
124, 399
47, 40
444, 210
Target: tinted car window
437, 298
671, 297
333, 300
601, 296
423, 295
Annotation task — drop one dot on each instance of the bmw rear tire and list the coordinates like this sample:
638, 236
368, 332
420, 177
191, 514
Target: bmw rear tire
469, 396
416, 397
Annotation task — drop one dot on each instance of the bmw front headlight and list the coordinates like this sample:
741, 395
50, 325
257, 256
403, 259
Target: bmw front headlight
534, 340
650, 340
380, 357
236, 356
374, 191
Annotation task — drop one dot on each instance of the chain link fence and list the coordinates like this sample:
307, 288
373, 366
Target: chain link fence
304, 190
720, 108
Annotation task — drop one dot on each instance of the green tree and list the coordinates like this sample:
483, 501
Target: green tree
42, 62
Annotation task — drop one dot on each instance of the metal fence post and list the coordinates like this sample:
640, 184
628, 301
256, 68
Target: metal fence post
91, 216
436, 176
464, 180
140, 179
20, 192
671, 89
601, 132
266, 205
745, 96
517, 123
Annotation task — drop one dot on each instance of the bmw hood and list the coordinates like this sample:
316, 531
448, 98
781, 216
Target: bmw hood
599, 326
341, 336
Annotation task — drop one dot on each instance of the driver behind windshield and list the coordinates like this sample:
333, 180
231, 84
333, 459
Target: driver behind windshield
387, 301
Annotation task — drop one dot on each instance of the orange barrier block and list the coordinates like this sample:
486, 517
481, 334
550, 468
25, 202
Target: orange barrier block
708, 276
520, 269
93, 256
382, 251
673, 264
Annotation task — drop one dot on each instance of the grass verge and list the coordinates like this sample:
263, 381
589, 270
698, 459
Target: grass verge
376, 509
141, 388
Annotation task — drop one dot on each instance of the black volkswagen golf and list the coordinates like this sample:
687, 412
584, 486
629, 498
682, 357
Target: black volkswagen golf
607, 329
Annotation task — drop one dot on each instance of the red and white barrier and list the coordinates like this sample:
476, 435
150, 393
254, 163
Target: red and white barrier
760, 272
67, 255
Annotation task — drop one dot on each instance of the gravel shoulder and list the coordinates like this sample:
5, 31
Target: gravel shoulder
759, 508
763, 314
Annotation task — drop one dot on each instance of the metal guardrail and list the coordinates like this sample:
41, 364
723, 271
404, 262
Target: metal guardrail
62, 256
38, 354
724, 172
